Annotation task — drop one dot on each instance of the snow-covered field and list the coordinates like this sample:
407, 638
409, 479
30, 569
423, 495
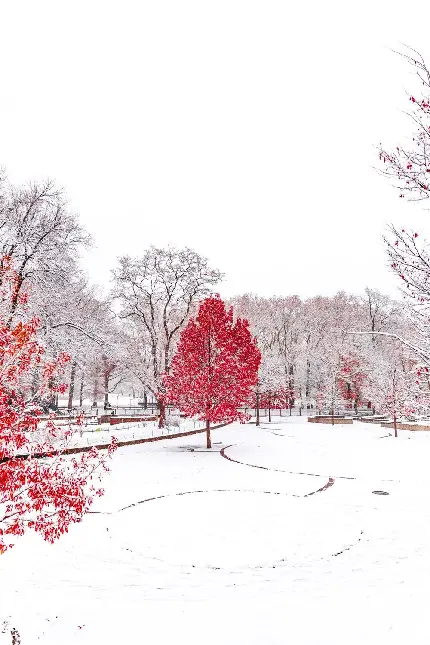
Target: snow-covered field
93, 434
272, 537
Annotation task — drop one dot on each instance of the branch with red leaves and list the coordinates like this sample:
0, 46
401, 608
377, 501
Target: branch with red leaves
46, 495
410, 166
410, 260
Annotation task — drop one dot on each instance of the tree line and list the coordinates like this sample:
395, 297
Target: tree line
312, 355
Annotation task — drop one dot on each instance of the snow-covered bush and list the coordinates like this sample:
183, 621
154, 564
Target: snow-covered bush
173, 420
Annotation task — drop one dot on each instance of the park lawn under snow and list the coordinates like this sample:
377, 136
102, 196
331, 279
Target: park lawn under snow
98, 434
299, 551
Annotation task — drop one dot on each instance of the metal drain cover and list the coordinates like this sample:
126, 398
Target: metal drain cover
380, 492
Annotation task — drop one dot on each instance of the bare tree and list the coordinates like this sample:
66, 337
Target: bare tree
383, 312
39, 234
157, 294
395, 385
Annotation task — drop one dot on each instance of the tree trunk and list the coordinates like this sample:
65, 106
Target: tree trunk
81, 391
72, 385
145, 400
162, 415
332, 416
257, 396
106, 374
308, 380
51, 398
15, 299
270, 403
95, 392
208, 434
395, 425
291, 386
35, 382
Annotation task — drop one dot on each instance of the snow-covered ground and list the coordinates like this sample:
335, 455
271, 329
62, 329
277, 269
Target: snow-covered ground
93, 434
272, 537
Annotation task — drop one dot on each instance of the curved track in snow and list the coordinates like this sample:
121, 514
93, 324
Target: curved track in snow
278, 470
327, 485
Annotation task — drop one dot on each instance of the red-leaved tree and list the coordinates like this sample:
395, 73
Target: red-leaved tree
47, 494
215, 366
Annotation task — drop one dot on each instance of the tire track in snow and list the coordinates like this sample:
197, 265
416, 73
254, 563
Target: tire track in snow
292, 472
276, 470
320, 490
327, 485
277, 563
228, 490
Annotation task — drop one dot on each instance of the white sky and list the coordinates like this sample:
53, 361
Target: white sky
244, 129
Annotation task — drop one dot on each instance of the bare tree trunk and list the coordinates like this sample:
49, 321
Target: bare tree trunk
95, 391
145, 400
51, 384
162, 415
72, 385
308, 380
291, 385
257, 422
395, 425
81, 391
332, 415
15, 299
35, 382
106, 374
208, 434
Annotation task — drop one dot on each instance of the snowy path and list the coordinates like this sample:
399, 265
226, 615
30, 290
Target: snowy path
190, 547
